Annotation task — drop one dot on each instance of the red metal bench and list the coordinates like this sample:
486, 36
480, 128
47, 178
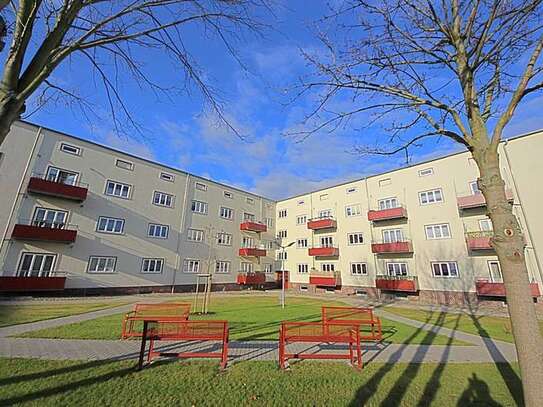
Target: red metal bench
168, 330
319, 332
359, 315
164, 311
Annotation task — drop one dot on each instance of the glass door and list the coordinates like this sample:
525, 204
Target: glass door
36, 265
495, 271
49, 218
64, 177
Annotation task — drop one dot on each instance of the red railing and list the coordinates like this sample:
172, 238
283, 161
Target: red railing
252, 252
387, 214
49, 232
253, 226
322, 223
489, 289
164, 311
325, 279
478, 200
39, 185
324, 251
396, 283
245, 278
392, 247
361, 315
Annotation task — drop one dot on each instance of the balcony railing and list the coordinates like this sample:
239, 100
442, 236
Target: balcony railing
387, 214
404, 246
44, 231
52, 281
325, 222
39, 184
479, 240
485, 288
253, 226
324, 251
396, 283
252, 252
251, 278
325, 278
471, 201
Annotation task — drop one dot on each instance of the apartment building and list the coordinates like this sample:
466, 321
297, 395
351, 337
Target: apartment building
419, 232
93, 220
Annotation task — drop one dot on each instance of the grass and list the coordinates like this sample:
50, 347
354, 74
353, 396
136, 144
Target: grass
66, 383
249, 317
498, 328
24, 313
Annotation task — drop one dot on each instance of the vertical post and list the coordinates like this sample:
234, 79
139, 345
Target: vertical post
283, 278
143, 343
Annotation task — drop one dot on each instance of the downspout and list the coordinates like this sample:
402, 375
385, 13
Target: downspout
181, 233
16, 200
522, 209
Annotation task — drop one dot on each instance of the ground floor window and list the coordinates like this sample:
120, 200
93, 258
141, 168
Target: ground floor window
100, 264
359, 269
152, 265
191, 266
222, 266
445, 269
36, 264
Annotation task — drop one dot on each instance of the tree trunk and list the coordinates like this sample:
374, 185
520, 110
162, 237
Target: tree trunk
9, 112
508, 242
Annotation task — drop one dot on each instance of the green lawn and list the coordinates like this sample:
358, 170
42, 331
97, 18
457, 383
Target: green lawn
487, 326
249, 317
24, 313
68, 383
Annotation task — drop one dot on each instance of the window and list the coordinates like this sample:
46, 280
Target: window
162, 199
110, 225
248, 217
283, 213
68, 148
160, 231
222, 266
301, 202
247, 267
388, 203
281, 255
474, 187
268, 268
228, 195
61, 176
485, 225
126, 165
268, 222
447, 269
224, 239
323, 197
268, 244
191, 266
397, 269
430, 197
99, 264
195, 235
425, 172
359, 269
495, 272
351, 190
303, 268
355, 238
325, 213
226, 213
440, 231
353, 210
36, 265
282, 234
301, 219
199, 207
152, 265
384, 182
167, 177
200, 186
250, 201
301, 243
247, 241
327, 241
118, 189
49, 218
392, 236
328, 267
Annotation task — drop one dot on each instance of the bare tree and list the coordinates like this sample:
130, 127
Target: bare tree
450, 68
109, 36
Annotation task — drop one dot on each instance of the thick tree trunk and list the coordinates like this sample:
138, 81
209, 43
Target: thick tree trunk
508, 242
9, 112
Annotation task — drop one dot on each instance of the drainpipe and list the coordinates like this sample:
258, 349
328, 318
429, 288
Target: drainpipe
181, 233
521, 206
16, 200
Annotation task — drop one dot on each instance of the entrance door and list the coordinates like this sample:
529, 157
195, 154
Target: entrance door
36, 265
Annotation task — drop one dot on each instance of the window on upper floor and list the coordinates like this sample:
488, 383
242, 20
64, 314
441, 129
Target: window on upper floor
438, 231
125, 165
268, 268
195, 235
397, 269
110, 225
226, 213
247, 267
282, 213
392, 235
162, 199
355, 238
301, 202
447, 269
325, 213
250, 200
328, 267
282, 255
323, 197
200, 186
222, 266
425, 172
49, 218
301, 243
118, 189
353, 210
282, 234
301, 219
247, 242
351, 190
388, 203
166, 177
224, 239
485, 225
199, 207
474, 187
158, 231
70, 149
303, 268
359, 269
150, 265
326, 241
431, 197
248, 217
228, 195
268, 222
384, 182
61, 176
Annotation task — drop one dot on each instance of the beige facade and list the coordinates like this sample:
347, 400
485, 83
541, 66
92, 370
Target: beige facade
419, 231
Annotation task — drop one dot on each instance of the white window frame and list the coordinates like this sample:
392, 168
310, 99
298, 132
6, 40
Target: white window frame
40, 272
353, 210
163, 199
226, 213
328, 267
249, 217
246, 267
268, 222
59, 220
222, 266
444, 267
437, 227
491, 276
425, 172
485, 225
195, 235
108, 261
57, 177
282, 213
301, 220
359, 268
388, 203
151, 265
393, 235
355, 238
400, 269
474, 188
268, 268
191, 266
160, 227
282, 255
76, 150
199, 207
325, 213
303, 268
165, 176
301, 243
248, 242
200, 186
282, 234
424, 196
326, 241
125, 165
224, 239
110, 221
116, 184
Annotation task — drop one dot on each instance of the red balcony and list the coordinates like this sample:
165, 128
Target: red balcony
393, 247
60, 234
42, 186
322, 223
478, 200
392, 283
325, 279
324, 251
486, 288
252, 252
387, 214
253, 227
28, 284
479, 240
251, 278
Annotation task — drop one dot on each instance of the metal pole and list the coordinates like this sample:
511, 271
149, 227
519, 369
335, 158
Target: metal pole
283, 279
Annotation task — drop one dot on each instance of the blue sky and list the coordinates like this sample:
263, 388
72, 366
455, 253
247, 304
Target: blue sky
179, 133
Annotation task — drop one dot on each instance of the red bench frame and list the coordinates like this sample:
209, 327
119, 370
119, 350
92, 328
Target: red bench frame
309, 332
358, 315
168, 330
173, 311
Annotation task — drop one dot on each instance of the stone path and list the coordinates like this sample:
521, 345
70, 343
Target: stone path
483, 349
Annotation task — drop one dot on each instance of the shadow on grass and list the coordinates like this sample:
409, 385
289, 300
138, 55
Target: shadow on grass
477, 394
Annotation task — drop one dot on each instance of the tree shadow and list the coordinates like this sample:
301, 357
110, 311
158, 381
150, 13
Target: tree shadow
477, 394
